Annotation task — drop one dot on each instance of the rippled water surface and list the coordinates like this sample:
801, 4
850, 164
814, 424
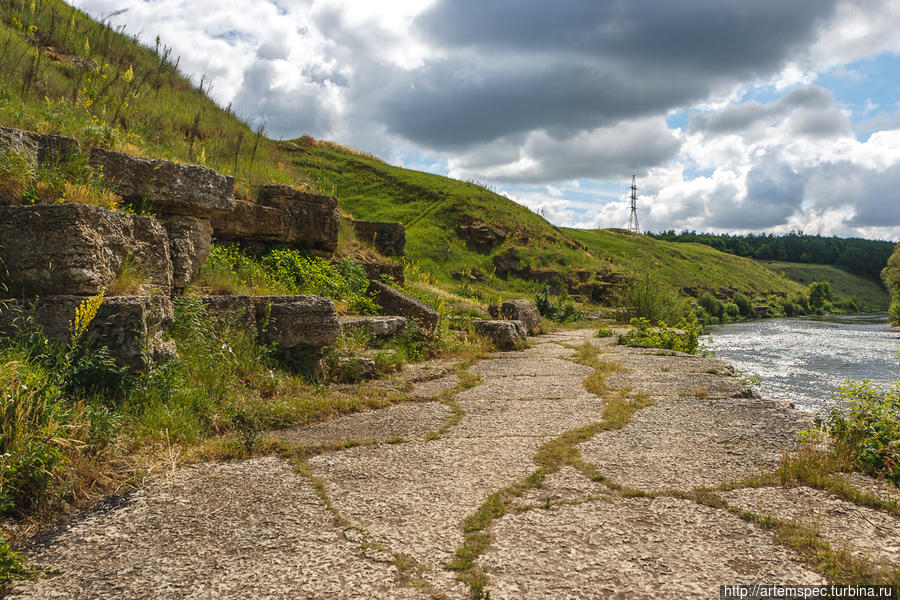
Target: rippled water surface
804, 360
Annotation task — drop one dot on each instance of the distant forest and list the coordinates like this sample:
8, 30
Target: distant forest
861, 257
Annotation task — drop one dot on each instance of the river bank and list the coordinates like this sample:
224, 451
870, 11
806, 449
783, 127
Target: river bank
574, 468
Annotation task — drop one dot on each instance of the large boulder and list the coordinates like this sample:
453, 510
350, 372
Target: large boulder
519, 310
388, 238
128, 326
394, 302
505, 335
53, 249
169, 187
297, 321
190, 240
283, 215
44, 150
374, 326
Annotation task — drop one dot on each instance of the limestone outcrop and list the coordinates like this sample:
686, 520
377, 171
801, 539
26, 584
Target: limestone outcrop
42, 149
388, 238
170, 187
128, 326
190, 240
297, 321
53, 249
394, 302
283, 215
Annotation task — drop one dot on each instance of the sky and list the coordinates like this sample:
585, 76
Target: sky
734, 115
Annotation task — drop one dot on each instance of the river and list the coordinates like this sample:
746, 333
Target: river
804, 360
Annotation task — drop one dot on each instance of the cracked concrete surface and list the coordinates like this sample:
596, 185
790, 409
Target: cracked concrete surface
258, 529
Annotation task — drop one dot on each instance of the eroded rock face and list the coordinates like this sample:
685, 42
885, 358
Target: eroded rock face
505, 335
172, 188
519, 310
53, 249
190, 240
374, 326
388, 238
297, 321
479, 234
127, 325
311, 220
283, 215
395, 302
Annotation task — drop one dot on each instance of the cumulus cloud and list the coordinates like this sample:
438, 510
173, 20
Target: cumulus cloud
525, 93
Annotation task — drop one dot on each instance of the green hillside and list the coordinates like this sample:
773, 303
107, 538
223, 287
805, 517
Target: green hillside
683, 265
65, 73
868, 294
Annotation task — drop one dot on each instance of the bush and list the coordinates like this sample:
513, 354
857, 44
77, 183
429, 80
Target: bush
647, 296
894, 310
743, 303
731, 310
685, 337
711, 305
560, 309
820, 296
866, 423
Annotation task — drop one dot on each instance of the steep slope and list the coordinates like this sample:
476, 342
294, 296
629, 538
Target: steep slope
868, 294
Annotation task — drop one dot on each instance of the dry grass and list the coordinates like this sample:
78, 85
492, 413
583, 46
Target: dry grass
76, 193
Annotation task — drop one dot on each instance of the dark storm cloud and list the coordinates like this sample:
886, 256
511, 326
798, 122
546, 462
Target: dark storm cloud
511, 66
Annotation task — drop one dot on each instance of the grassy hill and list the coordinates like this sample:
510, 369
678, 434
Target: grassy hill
868, 294
65, 73
683, 265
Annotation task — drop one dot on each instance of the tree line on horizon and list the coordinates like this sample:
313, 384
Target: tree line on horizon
856, 255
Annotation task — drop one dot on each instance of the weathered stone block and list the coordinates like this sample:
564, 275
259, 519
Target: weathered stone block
190, 240
388, 238
237, 311
297, 321
283, 215
252, 222
395, 302
518, 310
374, 326
312, 220
45, 150
172, 188
505, 335
127, 325
52, 249
480, 235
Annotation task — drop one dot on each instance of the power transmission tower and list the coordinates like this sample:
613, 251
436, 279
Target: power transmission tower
633, 219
